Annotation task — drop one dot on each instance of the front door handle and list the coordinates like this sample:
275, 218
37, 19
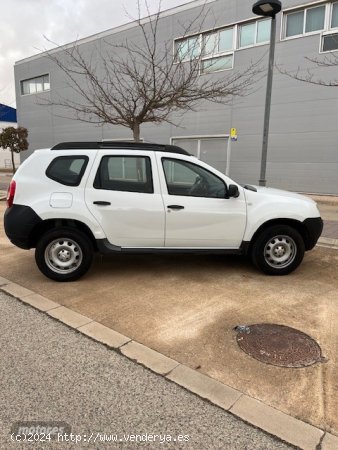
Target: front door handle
99, 202
176, 207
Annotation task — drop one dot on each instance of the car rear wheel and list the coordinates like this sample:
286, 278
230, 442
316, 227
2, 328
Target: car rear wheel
278, 250
64, 254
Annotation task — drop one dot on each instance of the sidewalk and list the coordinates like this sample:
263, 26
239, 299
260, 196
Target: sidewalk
57, 374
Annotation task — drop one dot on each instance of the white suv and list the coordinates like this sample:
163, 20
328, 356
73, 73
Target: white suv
80, 197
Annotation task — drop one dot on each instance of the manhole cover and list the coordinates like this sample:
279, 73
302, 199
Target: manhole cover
278, 345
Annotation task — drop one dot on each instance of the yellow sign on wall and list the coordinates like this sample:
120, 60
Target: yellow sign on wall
233, 134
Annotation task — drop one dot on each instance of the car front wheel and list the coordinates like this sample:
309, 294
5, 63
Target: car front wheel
64, 254
278, 250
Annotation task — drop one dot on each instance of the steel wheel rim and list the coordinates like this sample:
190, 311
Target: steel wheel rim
280, 251
63, 255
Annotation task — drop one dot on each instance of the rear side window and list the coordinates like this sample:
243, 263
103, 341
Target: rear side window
67, 170
125, 173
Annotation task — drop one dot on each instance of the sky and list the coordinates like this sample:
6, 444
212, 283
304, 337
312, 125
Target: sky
24, 23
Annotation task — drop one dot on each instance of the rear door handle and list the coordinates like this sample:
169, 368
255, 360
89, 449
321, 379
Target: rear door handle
177, 207
99, 202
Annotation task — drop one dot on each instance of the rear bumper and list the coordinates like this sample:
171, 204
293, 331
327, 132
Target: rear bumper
314, 228
19, 222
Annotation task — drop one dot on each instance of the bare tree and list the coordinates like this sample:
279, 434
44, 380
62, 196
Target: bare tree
131, 83
309, 76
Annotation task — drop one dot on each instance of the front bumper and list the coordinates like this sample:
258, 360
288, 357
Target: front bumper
314, 228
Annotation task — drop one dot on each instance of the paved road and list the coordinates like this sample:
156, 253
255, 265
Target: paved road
49, 372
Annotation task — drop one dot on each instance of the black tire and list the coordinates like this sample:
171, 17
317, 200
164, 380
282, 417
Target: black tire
64, 254
278, 250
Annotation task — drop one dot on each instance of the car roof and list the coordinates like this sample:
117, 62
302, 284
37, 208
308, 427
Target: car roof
120, 145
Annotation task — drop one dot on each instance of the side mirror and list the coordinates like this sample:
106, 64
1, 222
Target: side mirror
233, 191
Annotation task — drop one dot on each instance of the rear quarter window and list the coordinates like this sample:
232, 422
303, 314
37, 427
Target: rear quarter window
67, 170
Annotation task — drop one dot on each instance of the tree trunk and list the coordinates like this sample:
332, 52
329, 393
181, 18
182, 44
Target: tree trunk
136, 132
13, 163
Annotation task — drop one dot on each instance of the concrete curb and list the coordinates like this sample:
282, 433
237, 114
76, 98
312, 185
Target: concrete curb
252, 411
328, 242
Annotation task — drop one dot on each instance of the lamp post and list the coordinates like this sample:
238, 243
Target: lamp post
267, 8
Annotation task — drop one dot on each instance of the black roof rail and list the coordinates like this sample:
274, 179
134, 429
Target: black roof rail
126, 145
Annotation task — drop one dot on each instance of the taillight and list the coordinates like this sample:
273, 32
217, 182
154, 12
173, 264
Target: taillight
11, 193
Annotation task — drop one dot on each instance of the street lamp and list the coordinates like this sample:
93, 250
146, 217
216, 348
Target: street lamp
267, 8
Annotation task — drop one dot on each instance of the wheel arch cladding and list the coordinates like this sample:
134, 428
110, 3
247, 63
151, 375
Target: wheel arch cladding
50, 224
299, 226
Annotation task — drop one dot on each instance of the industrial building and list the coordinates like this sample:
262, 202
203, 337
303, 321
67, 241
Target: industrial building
303, 139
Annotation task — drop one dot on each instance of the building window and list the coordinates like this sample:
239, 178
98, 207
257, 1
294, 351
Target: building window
215, 48
294, 24
35, 85
217, 64
263, 31
254, 33
334, 16
188, 48
211, 48
247, 34
308, 20
209, 149
330, 39
329, 42
315, 19
218, 42
215, 44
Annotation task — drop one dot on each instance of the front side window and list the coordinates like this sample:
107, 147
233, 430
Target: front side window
188, 179
67, 170
125, 173
35, 85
